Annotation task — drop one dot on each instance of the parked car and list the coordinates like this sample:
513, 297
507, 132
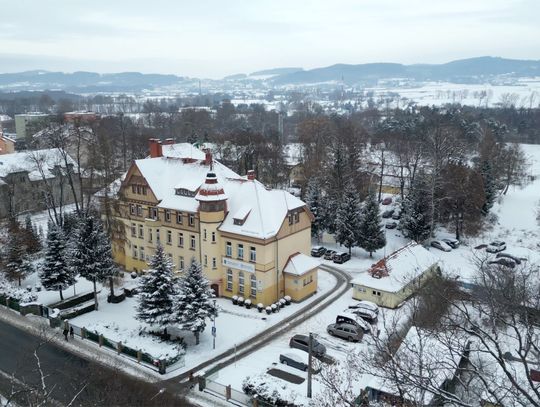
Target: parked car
503, 261
396, 215
386, 201
366, 314
346, 331
365, 304
341, 258
329, 255
352, 319
439, 244
390, 225
496, 246
295, 358
318, 251
517, 260
388, 213
450, 241
302, 342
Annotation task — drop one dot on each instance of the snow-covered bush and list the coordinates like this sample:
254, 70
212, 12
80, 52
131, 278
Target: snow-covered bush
268, 310
235, 299
247, 303
259, 386
274, 307
19, 294
260, 307
241, 301
287, 300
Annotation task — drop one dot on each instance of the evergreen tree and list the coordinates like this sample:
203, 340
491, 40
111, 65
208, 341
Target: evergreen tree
195, 303
92, 257
490, 189
31, 239
347, 218
315, 203
157, 291
416, 211
371, 235
17, 264
56, 273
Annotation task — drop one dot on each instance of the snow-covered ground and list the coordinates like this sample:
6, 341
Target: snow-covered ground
234, 325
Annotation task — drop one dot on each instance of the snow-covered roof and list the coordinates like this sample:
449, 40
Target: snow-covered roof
395, 271
293, 153
264, 209
34, 161
182, 150
299, 264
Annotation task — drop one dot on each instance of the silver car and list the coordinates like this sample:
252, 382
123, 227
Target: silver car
346, 331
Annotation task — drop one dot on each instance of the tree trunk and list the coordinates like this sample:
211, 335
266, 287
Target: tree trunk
61, 295
370, 254
95, 293
111, 285
196, 338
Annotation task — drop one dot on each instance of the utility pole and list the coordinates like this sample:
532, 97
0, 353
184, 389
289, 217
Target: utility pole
214, 327
310, 361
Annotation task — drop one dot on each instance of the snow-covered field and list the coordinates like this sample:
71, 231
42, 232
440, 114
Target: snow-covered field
234, 325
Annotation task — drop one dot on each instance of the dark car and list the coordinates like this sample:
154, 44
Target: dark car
346, 331
386, 201
396, 215
341, 258
318, 251
348, 317
329, 255
302, 342
390, 225
439, 244
453, 243
516, 260
503, 261
388, 213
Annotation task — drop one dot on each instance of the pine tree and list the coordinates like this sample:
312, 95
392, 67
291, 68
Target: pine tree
195, 303
56, 273
92, 257
32, 241
17, 264
416, 211
157, 291
315, 203
348, 218
490, 190
371, 235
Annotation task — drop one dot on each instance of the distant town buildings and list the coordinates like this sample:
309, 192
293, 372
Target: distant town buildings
25, 122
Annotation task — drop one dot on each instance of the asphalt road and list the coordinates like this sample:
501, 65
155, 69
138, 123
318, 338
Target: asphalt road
66, 373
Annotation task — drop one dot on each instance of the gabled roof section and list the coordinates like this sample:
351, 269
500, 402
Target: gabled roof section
300, 264
35, 162
182, 150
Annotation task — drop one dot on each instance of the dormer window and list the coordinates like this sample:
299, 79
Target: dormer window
184, 192
241, 215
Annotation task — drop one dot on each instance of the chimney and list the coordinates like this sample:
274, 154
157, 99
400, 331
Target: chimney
251, 175
168, 141
207, 157
155, 148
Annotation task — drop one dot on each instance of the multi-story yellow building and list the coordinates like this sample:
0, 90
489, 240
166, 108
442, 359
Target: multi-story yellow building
252, 241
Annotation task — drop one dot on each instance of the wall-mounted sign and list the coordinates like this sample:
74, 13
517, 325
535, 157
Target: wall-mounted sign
240, 265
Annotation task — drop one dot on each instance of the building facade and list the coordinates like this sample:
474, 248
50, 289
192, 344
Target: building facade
241, 232
32, 121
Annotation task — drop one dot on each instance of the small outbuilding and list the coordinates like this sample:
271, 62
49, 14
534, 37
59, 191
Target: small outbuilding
396, 277
300, 276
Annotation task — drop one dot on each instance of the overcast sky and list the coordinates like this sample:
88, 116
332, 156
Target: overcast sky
208, 38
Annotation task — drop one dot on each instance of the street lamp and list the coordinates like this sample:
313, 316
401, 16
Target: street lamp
214, 326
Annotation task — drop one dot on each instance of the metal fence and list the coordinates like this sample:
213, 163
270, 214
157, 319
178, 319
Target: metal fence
227, 393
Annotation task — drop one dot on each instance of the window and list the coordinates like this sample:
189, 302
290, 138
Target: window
179, 218
214, 263
296, 217
204, 234
141, 253
290, 218
377, 293
184, 192
241, 282
158, 238
169, 237
205, 260
181, 262
192, 242
180, 240
139, 210
141, 232
134, 189
150, 236
153, 213
134, 252
241, 251
191, 219
252, 254
229, 280
253, 285
133, 230
228, 249
132, 209
213, 237
167, 215
139, 189
144, 190
308, 280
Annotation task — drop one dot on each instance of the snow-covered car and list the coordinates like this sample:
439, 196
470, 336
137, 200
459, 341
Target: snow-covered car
341, 258
349, 332
386, 201
388, 213
302, 342
353, 319
516, 259
450, 241
439, 244
390, 225
295, 358
496, 246
329, 255
504, 261
396, 215
365, 304
318, 251
365, 314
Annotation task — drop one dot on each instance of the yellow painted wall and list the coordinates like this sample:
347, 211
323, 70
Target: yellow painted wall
301, 287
